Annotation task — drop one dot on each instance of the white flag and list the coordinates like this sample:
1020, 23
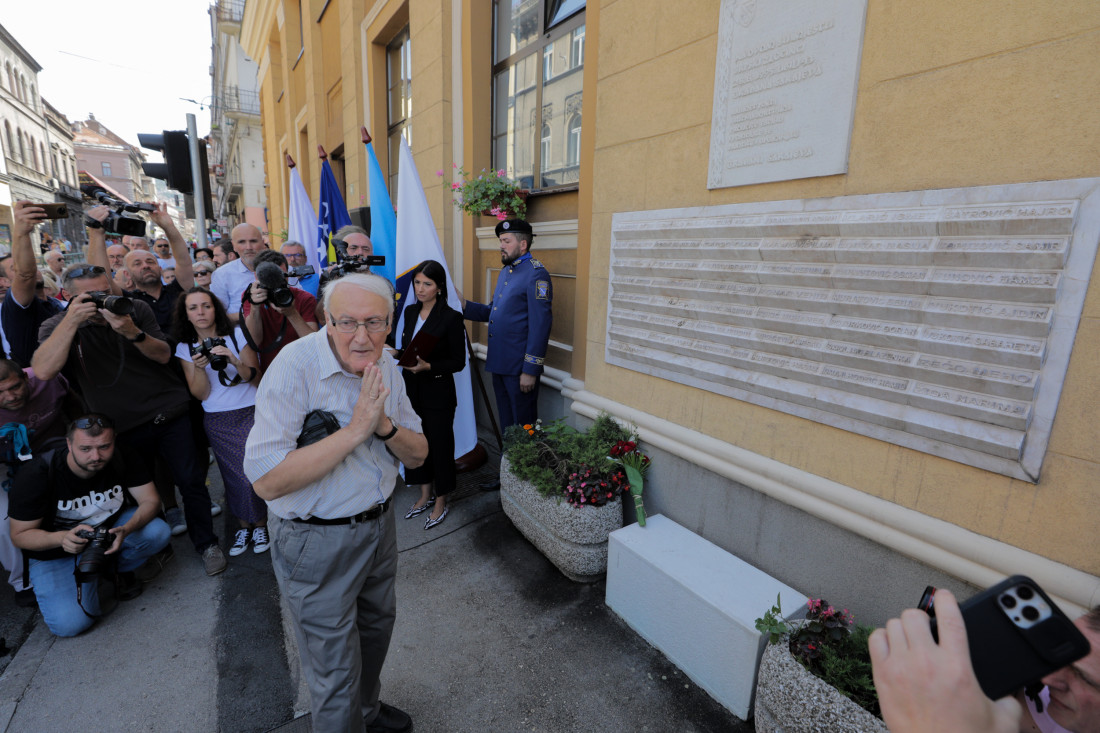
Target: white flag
417, 241
302, 224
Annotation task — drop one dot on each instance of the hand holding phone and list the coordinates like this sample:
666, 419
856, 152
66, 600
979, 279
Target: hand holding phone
1016, 634
925, 686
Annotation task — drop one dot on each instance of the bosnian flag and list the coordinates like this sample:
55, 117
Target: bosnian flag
331, 213
417, 241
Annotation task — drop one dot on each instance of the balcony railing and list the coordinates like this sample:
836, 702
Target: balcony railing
236, 102
229, 11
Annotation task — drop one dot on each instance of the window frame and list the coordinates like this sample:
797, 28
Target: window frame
544, 39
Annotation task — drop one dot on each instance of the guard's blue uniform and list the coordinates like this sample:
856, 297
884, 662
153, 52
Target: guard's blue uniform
519, 319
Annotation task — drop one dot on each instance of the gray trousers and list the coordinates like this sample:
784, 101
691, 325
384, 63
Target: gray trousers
338, 583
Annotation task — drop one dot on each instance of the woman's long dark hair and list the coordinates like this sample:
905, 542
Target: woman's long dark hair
434, 272
184, 331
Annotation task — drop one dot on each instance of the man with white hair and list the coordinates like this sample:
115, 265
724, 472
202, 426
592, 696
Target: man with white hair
331, 493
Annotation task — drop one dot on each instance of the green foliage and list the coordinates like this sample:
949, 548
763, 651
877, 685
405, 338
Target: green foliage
846, 666
490, 191
546, 455
830, 646
772, 624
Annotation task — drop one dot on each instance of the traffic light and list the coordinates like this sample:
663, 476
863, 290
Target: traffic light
176, 168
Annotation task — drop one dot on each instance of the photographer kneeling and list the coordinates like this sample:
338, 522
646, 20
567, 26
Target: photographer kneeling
69, 513
275, 314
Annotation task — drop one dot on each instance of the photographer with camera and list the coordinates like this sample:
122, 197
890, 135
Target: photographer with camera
118, 362
355, 250
231, 279
69, 512
22, 313
275, 314
296, 260
147, 275
222, 371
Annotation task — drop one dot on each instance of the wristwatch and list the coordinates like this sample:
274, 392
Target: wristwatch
390, 434
137, 339
92, 223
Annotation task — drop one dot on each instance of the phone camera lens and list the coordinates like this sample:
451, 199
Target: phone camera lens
1008, 601
1025, 593
1031, 613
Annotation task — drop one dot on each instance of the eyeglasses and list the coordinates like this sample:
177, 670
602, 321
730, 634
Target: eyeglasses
86, 271
293, 256
350, 325
83, 423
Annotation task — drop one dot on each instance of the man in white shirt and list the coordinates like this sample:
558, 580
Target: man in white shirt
230, 280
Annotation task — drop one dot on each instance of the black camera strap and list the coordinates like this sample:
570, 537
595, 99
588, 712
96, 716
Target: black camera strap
248, 335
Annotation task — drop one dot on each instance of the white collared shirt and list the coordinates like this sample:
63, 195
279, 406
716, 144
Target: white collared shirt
306, 376
228, 283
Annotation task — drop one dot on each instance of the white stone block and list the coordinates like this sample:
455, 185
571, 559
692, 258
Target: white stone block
696, 603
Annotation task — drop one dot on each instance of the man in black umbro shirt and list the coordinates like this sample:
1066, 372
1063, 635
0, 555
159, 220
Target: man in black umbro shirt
83, 486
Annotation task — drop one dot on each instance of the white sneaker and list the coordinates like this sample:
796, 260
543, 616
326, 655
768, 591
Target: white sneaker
260, 543
215, 510
240, 542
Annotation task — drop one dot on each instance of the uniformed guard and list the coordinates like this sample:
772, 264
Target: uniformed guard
519, 319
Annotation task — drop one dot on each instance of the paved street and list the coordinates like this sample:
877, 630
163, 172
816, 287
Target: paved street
489, 637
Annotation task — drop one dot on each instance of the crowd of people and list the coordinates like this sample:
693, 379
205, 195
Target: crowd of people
121, 373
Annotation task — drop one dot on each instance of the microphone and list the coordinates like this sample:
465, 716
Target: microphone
271, 278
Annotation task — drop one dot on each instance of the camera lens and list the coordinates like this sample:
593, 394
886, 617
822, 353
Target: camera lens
1008, 601
1024, 592
1031, 613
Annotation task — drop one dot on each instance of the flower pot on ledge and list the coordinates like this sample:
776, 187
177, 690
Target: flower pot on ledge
573, 538
791, 699
522, 193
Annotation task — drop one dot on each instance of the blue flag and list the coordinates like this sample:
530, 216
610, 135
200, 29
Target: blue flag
331, 213
383, 220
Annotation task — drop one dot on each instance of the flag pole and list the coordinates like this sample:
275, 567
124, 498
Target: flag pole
289, 161
484, 393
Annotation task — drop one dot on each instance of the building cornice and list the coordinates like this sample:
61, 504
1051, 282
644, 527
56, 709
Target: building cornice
9, 40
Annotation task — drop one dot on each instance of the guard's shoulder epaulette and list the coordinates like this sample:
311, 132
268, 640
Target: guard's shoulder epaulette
537, 265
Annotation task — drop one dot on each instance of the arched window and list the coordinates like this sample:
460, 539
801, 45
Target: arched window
33, 99
573, 144
34, 152
22, 148
42, 153
53, 166
7, 135
23, 87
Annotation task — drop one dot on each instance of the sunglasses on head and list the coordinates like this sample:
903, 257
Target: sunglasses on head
83, 423
86, 271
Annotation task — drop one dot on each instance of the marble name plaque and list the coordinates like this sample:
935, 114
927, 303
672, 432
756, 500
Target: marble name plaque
938, 320
784, 89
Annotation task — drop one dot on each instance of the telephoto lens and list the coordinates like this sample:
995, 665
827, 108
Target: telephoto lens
120, 305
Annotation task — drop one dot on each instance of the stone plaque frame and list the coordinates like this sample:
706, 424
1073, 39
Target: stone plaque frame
939, 320
784, 89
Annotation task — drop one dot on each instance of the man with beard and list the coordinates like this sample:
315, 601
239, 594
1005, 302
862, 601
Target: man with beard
145, 272
519, 319
232, 278
80, 488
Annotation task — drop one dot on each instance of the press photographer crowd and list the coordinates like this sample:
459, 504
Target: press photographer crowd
127, 374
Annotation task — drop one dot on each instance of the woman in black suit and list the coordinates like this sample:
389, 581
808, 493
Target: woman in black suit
430, 385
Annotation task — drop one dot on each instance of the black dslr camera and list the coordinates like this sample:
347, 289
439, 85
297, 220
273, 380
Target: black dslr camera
300, 271
121, 219
271, 278
91, 560
217, 362
120, 305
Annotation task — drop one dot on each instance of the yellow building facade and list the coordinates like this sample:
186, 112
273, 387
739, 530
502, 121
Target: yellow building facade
948, 96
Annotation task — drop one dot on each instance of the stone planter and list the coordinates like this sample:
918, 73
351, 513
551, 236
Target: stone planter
789, 699
573, 538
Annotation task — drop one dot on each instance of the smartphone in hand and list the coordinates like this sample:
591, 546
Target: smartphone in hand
1016, 634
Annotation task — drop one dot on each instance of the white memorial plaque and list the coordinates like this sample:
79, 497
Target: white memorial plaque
945, 327
784, 89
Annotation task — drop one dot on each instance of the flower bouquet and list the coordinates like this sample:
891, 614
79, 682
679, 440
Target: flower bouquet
635, 464
490, 191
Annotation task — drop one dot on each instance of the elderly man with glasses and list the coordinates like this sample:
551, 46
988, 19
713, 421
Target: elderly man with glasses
332, 495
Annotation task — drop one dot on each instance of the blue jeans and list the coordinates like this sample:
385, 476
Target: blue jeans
55, 584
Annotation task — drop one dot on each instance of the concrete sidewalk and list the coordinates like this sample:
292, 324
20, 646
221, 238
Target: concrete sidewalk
489, 637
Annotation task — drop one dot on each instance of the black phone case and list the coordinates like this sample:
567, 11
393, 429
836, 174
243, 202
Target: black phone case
1006, 657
